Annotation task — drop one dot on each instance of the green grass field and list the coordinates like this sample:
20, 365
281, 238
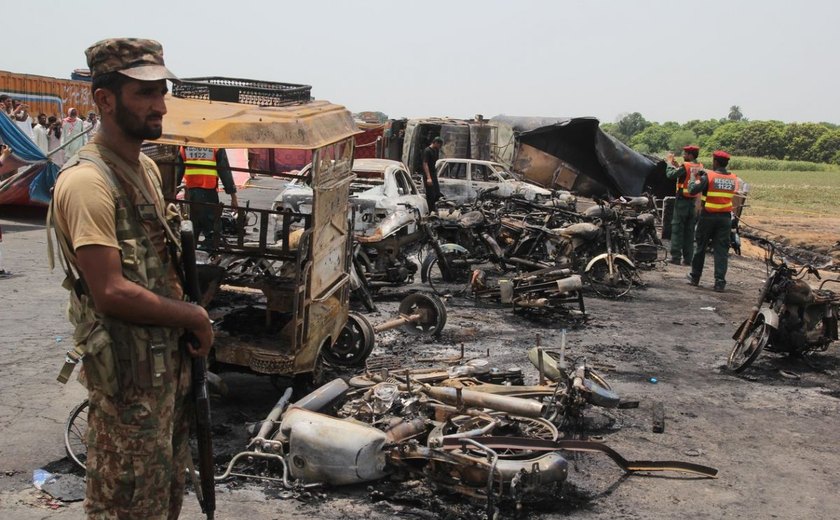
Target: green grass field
811, 192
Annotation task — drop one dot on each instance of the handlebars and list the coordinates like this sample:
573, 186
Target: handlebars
770, 248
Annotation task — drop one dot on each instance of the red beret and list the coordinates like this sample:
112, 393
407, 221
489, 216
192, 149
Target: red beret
691, 148
720, 154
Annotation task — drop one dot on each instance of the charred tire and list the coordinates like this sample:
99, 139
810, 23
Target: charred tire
431, 310
75, 434
745, 352
354, 344
610, 287
431, 274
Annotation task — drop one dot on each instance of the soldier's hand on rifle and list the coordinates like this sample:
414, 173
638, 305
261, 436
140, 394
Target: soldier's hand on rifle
203, 332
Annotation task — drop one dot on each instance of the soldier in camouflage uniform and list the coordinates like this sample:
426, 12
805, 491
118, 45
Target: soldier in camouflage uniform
119, 251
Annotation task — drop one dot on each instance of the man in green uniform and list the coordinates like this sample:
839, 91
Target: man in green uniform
685, 213
718, 187
118, 249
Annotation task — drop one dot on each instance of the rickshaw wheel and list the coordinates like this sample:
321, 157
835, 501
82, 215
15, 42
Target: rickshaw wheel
354, 343
431, 310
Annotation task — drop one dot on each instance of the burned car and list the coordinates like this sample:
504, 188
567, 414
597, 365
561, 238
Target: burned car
382, 194
388, 214
462, 179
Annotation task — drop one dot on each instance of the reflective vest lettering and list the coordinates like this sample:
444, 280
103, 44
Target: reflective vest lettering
718, 196
200, 167
682, 182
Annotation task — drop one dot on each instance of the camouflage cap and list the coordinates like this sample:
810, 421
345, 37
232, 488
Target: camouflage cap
134, 57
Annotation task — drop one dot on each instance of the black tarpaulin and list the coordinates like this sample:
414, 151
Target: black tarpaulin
606, 166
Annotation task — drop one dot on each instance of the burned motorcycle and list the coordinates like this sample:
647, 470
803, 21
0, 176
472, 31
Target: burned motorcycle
526, 233
638, 217
598, 250
549, 290
466, 241
789, 317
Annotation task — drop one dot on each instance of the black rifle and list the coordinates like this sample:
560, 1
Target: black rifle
207, 492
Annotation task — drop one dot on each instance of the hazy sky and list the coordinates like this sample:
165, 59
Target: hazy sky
668, 59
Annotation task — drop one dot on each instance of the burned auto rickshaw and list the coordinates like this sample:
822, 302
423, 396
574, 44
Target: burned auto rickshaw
280, 294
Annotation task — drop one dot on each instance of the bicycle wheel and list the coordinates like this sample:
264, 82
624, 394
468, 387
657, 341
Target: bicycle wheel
75, 434
610, 286
745, 352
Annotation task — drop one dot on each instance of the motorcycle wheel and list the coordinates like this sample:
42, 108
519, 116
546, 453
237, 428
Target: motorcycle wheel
538, 250
431, 274
610, 287
745, 352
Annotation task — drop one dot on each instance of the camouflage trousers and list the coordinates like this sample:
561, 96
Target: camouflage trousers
138, 449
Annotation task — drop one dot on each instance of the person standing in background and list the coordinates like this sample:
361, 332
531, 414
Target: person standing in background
39, 132
92, 123
72, 127
201, 170
6, 104
54, 140
684, 219
21, 117
431, 154
718, 187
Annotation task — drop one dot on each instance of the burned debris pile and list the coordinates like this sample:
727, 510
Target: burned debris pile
469, 427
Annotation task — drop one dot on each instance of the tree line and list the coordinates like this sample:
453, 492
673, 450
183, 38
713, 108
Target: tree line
813, 142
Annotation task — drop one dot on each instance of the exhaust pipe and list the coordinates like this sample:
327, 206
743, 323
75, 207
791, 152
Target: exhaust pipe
501, 403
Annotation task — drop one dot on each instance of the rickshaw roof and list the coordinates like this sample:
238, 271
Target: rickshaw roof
216, 124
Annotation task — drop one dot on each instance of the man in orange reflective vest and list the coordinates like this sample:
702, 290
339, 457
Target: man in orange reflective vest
685, 213
718, 187
202, 168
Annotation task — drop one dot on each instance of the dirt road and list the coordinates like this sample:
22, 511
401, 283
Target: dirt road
773, 438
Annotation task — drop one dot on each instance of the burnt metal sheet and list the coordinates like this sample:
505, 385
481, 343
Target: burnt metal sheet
331, 239
233, 125
593, 162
